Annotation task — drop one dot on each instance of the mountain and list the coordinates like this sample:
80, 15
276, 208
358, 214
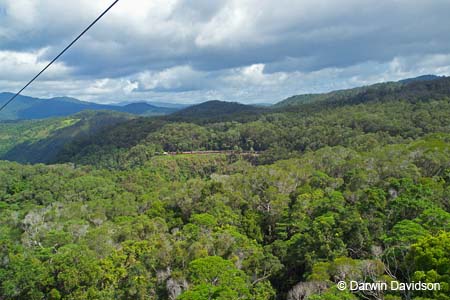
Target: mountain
385, 108
215, 111
145, 109
28, 108
176, 106
388, 108
421, 78
86, 133
362, 94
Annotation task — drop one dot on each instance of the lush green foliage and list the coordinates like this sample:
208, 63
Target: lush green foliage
41, 141
375, 116
15, 133
352, 192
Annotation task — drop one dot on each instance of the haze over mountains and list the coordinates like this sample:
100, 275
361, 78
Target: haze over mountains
26, 108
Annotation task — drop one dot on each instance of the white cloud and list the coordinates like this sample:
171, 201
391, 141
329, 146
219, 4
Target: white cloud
245, 50
25, 65
176, 79
254, 75
228, 28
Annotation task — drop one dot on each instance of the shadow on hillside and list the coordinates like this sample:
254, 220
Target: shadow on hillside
47, 150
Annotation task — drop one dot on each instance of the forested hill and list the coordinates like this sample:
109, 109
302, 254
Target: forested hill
412, 89
73, 134
217, 111
380, 114
34, 141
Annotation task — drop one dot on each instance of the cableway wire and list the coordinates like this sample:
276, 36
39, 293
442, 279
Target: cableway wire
58, 56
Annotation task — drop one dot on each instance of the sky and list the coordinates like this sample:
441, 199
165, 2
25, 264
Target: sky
190, 51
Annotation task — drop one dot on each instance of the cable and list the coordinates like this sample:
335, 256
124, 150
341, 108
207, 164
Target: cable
58, 56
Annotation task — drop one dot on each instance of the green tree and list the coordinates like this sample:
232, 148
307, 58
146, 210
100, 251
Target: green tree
430, 257
215, 278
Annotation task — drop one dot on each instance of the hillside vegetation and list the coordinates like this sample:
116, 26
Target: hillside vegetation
377, 116
40, 141
348, 187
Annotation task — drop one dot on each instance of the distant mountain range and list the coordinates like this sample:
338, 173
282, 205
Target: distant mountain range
217, 111
156, 103
87, 136
27, 108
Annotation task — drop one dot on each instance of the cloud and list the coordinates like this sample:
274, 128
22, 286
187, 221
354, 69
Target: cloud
176, 79
18, 65
244, 50
254, 75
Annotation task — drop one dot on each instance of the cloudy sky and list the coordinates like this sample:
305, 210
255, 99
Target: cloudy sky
189, 51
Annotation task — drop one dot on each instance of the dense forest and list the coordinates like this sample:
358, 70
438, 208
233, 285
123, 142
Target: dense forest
347, 186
